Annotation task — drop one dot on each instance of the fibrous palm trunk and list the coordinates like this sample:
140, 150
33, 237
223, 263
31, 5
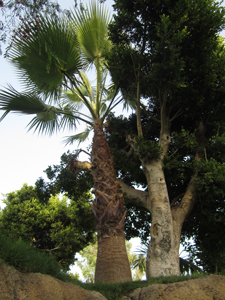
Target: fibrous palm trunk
112, 262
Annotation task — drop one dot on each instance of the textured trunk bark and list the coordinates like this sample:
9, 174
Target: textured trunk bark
112, 261
163, 255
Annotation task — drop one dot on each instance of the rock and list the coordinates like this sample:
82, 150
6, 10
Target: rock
34, 286
211, 287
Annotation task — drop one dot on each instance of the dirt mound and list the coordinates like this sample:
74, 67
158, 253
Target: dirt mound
35, 286
207, 288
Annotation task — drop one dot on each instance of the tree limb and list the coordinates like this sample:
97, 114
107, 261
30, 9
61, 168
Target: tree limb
83, 165
136, 197
183, 209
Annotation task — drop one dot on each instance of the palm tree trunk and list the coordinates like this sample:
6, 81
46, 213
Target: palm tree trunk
112, 262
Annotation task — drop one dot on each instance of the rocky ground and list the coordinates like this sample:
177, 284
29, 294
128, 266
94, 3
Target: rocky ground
33, 286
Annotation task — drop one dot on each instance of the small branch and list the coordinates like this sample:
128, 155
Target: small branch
187, 203
138, 108
148, 113
81, 150
49, 250
129, 153
178, 113
174, 152
176, 199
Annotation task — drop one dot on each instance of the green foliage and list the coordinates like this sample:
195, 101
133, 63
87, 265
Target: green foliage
208, 221
74, 184
43, 51
169, 42
148, 150
54, 226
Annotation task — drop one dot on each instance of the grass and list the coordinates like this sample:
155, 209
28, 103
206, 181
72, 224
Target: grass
118, 290
21, 256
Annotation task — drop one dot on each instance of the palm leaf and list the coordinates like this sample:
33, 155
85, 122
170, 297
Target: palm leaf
80, 137
52, 52
11, 100
45, 123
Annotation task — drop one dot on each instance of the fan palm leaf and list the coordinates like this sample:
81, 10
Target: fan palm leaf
91, 26
51, 51
11, 100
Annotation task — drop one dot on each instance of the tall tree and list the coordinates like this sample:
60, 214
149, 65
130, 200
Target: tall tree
52, 61
168, 54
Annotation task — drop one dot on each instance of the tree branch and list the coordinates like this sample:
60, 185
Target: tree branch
83, 165
183, 209
136, 197
149, 114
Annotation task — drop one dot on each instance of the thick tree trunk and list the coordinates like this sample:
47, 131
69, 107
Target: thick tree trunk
163, 255
112, 261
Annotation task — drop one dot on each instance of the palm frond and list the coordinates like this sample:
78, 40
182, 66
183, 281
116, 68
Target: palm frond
129, 100
44, 123
92, 30
80, 137
24, 103
47, 55
73, 98
87, 85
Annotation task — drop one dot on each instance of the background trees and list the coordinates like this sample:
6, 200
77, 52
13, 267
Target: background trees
59, 227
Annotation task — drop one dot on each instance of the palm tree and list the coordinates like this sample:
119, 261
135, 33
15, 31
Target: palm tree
52, 59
